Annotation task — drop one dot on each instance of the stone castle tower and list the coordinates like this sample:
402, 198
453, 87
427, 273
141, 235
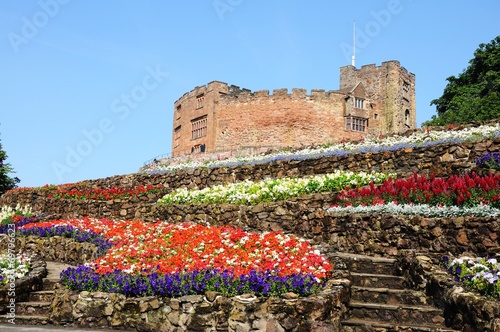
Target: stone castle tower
372, 101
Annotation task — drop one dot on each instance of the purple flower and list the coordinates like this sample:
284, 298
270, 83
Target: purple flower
489, 160
188, 283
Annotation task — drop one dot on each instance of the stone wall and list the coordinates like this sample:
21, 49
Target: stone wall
306, 216
463, 310
10, 294
370, 234
379, 235
54, 248
441, 160
208, 312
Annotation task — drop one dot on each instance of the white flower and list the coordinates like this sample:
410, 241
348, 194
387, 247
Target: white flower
419, 209
417, 139
492, 261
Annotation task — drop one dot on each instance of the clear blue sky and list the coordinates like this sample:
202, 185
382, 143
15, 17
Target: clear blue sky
87, 87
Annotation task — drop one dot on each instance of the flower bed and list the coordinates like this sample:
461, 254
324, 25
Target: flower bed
468, 190
478, 274
13, 267
83, 190
250, 193
179, 259
418, 209
9, 214
464, 310
417, 139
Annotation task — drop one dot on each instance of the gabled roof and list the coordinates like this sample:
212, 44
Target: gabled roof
357, 90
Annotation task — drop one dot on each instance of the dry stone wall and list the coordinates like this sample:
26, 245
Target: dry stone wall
54, 248
379, 235
208, 312
21, 288
370, 234
440, 160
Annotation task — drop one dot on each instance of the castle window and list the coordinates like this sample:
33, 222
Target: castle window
200, 101
407, 118
178, 112
358, 103
356, 124
199, 148
177, 136
406, 90
199, 127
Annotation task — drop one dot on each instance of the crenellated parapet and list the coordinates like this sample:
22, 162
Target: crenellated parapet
203, 89
296, 94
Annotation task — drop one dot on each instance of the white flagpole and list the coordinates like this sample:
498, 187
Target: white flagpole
353, 60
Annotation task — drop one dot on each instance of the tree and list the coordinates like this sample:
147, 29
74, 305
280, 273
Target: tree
475, 94
6, 182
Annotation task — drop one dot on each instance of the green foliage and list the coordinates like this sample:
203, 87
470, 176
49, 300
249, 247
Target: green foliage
475, 94
6, 182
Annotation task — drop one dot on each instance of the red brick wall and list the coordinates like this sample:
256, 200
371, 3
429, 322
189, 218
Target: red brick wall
281, 119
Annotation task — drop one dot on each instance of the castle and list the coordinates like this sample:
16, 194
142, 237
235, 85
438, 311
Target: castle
372, 101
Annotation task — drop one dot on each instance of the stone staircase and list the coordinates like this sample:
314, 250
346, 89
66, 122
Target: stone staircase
35, 311
381, 302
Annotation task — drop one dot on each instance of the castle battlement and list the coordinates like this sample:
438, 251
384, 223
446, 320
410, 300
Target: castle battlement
284, 93
203, 89
391, 64
232, 93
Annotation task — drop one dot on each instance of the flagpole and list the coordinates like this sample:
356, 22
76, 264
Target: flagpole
353, 59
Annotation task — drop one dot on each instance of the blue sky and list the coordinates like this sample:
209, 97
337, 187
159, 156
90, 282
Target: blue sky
87, 87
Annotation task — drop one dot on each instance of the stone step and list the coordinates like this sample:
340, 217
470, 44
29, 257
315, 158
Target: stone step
397, 314
41, 296
388, 296
50, 283
377, 280
31, 319
362, 325
368, 264
33, 308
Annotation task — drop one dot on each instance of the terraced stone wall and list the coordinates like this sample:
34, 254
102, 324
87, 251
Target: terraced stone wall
370, 234
441, 160
208, 312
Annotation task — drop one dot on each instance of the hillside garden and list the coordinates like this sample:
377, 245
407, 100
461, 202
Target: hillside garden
139, 258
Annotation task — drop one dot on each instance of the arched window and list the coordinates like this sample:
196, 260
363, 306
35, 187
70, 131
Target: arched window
407, 118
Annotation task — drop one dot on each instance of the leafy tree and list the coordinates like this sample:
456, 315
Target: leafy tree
475, 94
6, 182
